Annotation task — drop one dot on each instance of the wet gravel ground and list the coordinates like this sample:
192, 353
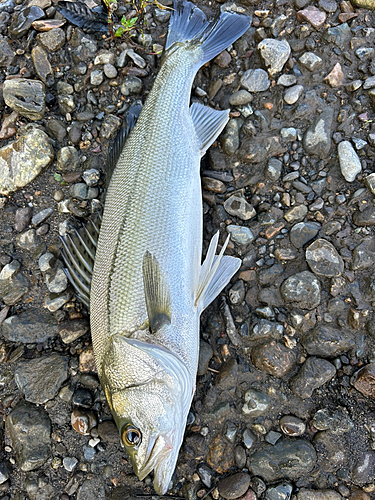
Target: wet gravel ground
284, 406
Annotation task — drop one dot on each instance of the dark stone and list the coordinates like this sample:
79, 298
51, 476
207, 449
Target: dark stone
365, 218
22, 20
32, 326
364, 254
287, 459
22, 218
314, 373
92, 488
323, 259
40, 379
72, 330
29, 428
327, 342
234, 486
364, 470
205, 355
226, 379
303, 232
301, 290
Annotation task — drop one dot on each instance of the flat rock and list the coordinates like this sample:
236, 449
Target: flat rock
71, 330
301, 290
317, 138
26, 97
303, 232
286, 459
29, 428
92, 488
326, 341
22, 160
363, 255
338, 35
364, 470
7, 54
365, 218
350, 164
40, 379
22, 20
323, 259
52, 40
32, 326
42, 65
255, 80
273, 358
313, 16
305, 494
257, 150
314, 373
275, 54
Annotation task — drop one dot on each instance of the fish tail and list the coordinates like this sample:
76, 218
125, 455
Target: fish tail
189, 24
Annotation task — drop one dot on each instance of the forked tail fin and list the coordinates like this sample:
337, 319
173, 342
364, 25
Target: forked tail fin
189, 24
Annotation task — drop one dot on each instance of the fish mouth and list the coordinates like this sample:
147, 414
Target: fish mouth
159, 459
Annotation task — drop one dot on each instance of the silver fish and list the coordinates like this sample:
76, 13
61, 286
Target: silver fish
148, 286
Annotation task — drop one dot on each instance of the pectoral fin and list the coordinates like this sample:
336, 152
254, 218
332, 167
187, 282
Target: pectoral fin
208, 124
79, 254
215, 273
157, 294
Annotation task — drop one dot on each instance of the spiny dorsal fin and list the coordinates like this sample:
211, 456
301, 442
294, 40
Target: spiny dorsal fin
157, 295
215, 273
79, 254
118, 144
208, 124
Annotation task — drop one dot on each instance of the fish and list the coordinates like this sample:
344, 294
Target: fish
139, 268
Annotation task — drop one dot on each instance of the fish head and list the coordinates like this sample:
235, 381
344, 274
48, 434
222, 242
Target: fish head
149, 391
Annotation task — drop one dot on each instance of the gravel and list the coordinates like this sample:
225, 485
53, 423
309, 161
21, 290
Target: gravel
283, 403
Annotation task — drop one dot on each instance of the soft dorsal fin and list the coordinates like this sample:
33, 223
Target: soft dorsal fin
157, 295
118, 144
215, 273
208, 124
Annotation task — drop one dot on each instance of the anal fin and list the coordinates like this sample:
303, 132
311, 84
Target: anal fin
157, 294
208, 124
215, 273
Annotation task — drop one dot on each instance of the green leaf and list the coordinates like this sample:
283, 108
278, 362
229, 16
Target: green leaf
58, 177
119, 31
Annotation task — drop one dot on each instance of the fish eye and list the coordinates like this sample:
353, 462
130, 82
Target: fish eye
130, 435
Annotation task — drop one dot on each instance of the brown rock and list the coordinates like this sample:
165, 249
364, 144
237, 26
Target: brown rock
344, 17
359, 495
83, 422
364, 380
273, 358
87, 361
48, 24
336, 77
223, 59
221, 455
312, 15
